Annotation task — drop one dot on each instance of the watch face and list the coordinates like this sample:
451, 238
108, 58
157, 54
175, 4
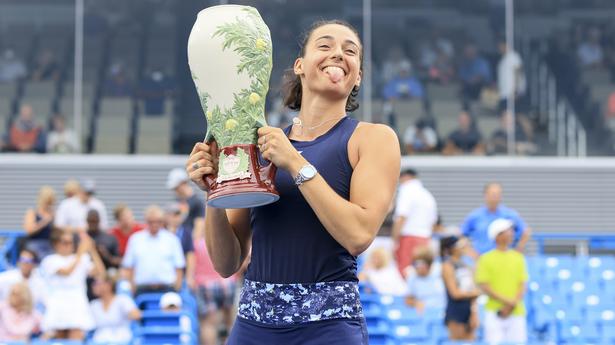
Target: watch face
308, 172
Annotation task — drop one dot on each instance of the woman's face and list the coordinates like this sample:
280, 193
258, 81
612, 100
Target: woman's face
18, 297
65, 245
332, 61
101, 287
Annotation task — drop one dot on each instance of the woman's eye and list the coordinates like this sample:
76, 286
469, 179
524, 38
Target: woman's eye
323, 46
350, 51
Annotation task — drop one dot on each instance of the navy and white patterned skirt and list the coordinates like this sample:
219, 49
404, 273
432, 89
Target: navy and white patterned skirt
318, 313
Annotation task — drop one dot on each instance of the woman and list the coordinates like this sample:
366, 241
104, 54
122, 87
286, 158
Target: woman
67, 314
305, 245
38, 222
382, 275
461, 292
112, 313
18, 318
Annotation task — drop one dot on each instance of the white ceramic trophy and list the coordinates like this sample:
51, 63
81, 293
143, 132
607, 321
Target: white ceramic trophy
230, 57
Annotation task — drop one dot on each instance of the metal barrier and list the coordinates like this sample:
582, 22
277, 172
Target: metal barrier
583, 242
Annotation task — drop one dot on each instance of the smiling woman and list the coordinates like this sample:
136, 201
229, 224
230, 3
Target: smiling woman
301, 284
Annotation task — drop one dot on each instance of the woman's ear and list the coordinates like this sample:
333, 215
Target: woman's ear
298, 66
358, 81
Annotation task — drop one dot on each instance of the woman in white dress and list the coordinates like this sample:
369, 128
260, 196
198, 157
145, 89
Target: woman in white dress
68, 314
112, 313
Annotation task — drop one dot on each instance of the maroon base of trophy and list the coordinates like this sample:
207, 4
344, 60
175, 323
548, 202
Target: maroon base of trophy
242, 180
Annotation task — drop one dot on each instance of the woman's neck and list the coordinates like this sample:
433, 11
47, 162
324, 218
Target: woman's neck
316, 110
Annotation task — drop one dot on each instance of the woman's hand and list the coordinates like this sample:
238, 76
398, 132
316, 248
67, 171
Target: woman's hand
203, 161
275, 147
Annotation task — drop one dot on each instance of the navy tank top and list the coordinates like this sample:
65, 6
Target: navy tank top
44, 233
289, 244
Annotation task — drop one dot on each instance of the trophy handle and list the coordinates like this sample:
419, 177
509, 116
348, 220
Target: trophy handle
210, 180
266, 171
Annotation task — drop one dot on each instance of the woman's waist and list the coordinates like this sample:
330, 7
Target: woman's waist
297, 303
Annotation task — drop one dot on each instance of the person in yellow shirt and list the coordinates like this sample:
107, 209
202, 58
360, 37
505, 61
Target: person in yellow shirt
502, 274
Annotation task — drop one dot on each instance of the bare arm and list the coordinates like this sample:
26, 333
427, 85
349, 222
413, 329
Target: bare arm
487, 289
179, 276
31, 226
134, 314
527, 233
99, 267
397, 225
448, 275
190, 265
353, 223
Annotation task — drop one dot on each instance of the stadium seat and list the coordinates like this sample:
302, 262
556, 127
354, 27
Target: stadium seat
392, 301
104, 343
565, 313
579, 331
376, 324
381, 339
461, 342
157, 318
403, 314
148, 301
55, 342
163, 336
410, 333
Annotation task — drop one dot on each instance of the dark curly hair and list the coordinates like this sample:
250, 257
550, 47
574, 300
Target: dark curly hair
292, 82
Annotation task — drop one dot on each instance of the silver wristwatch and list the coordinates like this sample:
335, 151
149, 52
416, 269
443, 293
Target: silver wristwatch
306, 173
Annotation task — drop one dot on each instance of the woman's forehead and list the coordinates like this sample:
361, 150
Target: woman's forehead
337, 32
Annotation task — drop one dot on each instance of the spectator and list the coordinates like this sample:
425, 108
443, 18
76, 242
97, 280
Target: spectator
72, 212
393, 63
25, 135
502, 275
420, 138
112, 313
173, 223
193, 207
117, 84
214, 294
590, 51
465, 139
382, 275
461, 292
106, 244
511, 79
19, 320
71, 188
498, 144
171, 302
403, 85
67, 314
125, 226
424, 279
27, 272
153, 91
474, 73
38, 222
416, 213
11, 67
46, 68
154, 259
61, 139
477, 222
610, 112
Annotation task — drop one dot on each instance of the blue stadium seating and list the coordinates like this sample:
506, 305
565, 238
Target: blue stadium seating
148, 301
163, 336
571, 331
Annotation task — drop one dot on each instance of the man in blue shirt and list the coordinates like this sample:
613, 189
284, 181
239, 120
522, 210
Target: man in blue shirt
477, 222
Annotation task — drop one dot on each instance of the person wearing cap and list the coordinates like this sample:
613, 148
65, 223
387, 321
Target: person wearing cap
416, 213
502, 274
461, 316
192, 206
477, 222
154, 260
170, 301
72, 212
174, 222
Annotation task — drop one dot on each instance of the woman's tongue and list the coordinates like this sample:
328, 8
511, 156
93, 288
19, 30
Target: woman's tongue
335, 74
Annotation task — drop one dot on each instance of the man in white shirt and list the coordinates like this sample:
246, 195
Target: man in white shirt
26, 271
511, 79
72, 212
415, 215
154, 259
